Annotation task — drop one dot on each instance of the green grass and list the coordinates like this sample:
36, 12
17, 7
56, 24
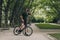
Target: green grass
56, 35
47, 26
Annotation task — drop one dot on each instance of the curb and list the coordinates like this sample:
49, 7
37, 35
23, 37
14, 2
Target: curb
51, 37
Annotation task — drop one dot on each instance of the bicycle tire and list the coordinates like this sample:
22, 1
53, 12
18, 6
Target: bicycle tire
15, 31
26, 34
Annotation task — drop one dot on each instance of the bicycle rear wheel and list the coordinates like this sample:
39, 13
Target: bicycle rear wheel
16, 30
28, 31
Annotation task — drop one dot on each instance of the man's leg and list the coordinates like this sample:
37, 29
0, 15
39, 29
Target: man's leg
25, 23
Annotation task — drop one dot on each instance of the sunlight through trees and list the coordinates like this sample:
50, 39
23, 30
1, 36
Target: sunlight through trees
42, 10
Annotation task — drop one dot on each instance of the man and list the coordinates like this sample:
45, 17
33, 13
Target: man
24, 17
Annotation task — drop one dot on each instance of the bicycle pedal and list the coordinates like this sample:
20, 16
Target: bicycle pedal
20, 30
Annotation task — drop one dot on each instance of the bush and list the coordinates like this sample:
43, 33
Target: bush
37, 20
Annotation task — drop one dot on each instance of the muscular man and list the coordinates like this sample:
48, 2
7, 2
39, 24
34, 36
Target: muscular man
24, 17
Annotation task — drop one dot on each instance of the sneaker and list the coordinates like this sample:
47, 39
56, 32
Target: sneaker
20, 30
26, 34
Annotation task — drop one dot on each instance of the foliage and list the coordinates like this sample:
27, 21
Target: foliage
49, 9
42, 10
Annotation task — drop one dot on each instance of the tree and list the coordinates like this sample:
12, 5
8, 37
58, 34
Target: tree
6, 12
0, 11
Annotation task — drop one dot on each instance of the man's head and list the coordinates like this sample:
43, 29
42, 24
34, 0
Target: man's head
27, 9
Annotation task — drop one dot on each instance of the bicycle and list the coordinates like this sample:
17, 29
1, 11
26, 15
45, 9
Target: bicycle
18, 31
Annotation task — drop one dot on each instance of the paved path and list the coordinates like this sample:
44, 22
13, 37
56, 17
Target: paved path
37, 35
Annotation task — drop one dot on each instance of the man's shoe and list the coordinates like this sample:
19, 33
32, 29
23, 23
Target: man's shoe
20, 30
26, 34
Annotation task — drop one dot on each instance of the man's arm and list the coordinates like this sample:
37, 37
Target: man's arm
22, 18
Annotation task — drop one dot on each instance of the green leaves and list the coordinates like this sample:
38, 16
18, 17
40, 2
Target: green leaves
50, 7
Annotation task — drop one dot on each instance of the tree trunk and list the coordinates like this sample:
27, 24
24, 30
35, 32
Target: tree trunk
0, 11
6, 13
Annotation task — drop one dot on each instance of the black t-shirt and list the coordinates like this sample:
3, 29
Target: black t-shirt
25, 15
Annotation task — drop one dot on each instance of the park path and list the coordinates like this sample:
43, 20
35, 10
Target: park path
37, 35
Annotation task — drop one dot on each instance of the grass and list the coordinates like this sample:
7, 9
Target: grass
50, 26
47, 26
56, 35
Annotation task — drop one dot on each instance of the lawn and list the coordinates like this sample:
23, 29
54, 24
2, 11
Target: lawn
56, 35
47, 26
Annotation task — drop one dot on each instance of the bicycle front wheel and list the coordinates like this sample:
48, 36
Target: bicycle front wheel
28, 31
